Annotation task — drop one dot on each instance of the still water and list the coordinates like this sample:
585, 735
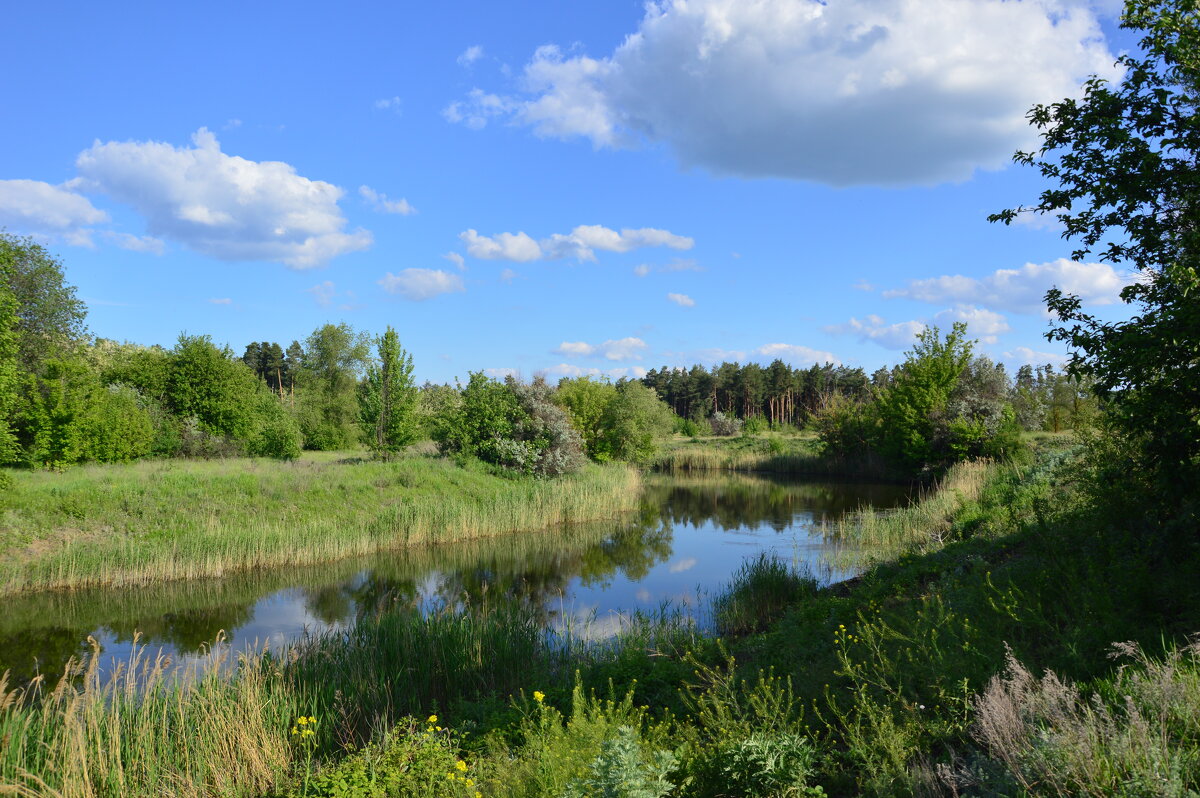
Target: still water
687, 541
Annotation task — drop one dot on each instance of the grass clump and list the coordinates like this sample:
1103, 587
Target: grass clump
761, 589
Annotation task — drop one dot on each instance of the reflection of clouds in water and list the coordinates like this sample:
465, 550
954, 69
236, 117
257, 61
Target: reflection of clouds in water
682, 565
644, 596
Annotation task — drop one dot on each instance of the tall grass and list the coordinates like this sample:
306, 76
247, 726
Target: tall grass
761, 589
923, 525
149, 730
143, 522
221, 727
1138, 734
768, 453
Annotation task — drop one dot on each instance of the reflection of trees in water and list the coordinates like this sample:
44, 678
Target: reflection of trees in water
732, 502
185, 630
30, 652
535, 581
534, 570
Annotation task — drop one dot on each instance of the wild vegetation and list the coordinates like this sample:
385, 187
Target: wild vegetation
1027, 629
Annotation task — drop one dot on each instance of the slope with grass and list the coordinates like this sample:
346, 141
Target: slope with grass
148, 521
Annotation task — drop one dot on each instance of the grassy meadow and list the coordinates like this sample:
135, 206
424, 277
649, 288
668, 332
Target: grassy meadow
179, 519
1015, 636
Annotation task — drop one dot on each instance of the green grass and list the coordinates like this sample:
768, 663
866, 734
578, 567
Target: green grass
144, 522
771, 452
925, 676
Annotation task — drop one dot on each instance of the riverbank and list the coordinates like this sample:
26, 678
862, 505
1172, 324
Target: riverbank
133, 524
885, 686
796, 454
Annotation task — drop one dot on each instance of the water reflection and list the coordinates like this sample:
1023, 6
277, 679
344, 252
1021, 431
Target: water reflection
690, 534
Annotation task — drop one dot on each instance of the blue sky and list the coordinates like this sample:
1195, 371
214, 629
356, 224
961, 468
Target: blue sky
560, 187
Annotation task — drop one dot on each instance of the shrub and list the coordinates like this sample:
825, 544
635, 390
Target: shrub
621, 770
723, 425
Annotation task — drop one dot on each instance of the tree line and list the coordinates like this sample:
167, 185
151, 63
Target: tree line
66, 398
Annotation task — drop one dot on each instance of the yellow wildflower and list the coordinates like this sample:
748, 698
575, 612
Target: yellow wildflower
312, 719
302, 720
431, 719
461, 765
539, 696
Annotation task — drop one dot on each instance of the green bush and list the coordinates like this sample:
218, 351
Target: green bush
414, 759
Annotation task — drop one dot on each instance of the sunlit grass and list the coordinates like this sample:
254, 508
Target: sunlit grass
148, 521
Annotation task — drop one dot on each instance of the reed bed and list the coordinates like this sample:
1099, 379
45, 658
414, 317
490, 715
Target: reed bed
795, 455
923, 525
221, 727
151, 521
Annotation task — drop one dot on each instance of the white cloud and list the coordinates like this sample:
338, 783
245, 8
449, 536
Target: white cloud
581, 243
502, 373
505, 246
621, 349
477, 109
1022, 355
150, 244
873, 328
221, 301
381, 203
852, 92
459, 262
221, 205
863, 285
683, 300
713, 355
390, 104
642, 269
1021, 290
508, 275
421, 284
34, 206
470, 55
323, 293
568, 370
797, 354
575, 348
983, 324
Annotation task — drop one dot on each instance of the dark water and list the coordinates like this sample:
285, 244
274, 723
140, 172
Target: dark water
690, 536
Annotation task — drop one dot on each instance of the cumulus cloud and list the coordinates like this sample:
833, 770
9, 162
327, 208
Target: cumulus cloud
478, 109
642, 269
470, 55
150, 244
34, 206
683, 300
1021, 290
323, 293
981, 323
421, 284
390, 104
516, 247
501, 373
620, 349
381, 203
1022, 355
797, 354
458, 260
852, 92
221, 205
508, 275
581, 243
873, 328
